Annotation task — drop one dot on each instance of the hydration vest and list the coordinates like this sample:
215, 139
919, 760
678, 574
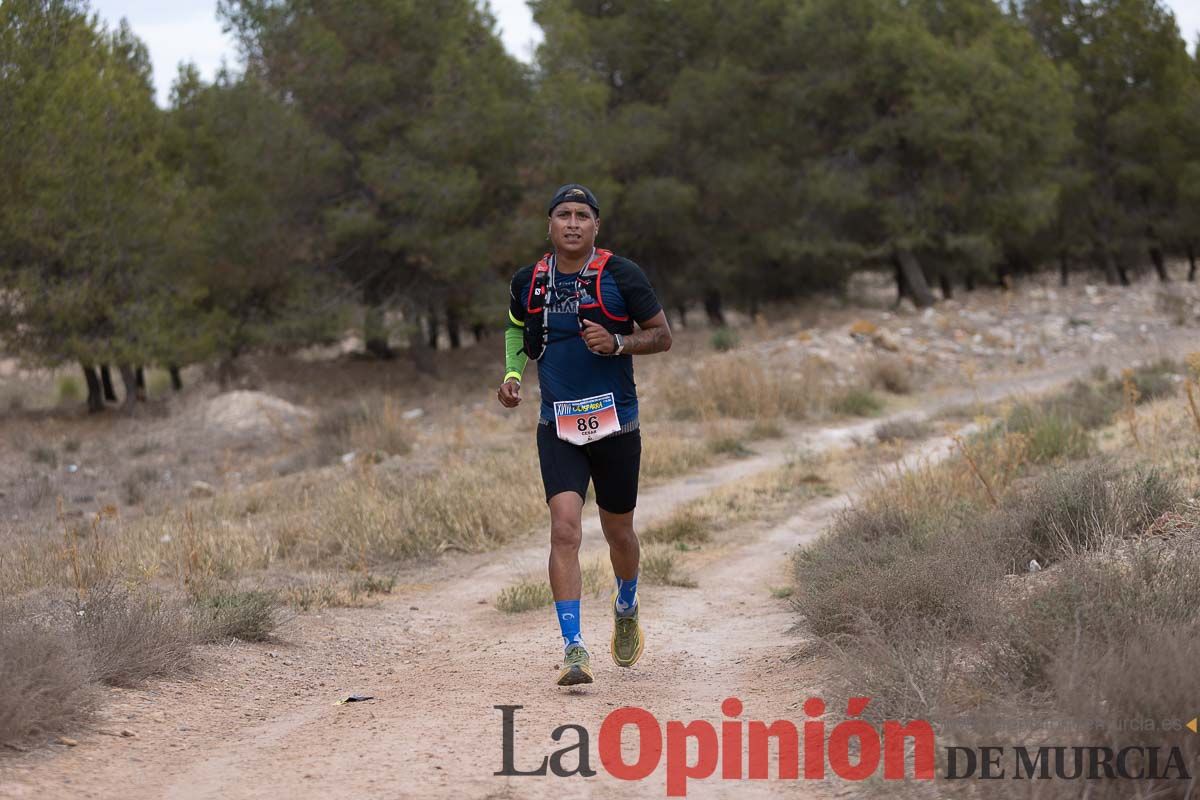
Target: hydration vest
591, 303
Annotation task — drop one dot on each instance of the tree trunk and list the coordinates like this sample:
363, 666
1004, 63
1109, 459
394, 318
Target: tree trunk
176, 379
1064, 269
1004, 276
95, 391
110, 394
140, 372
947, 287
423, 358
375, 335
712, 307
129, 378
681, 314
969, 282
1160, 263
1191, 263
1112, 274
901, 287
227, 372
453, 328
431, 330
1123, 274
479, 330
914, 278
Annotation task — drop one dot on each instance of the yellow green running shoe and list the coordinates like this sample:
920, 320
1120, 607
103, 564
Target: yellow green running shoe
577, 667
627, 638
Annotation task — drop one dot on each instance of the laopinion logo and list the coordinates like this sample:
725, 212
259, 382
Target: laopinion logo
852, 749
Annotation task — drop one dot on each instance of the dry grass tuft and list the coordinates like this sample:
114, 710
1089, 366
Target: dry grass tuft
524, 595
251, 616
735, 386
1092, 605
890, 374
44, 683
660, 565
759, 497
857, 401
666, 454
902, 429
371, 424
468, 505
528, 593
1076, 509
130, 636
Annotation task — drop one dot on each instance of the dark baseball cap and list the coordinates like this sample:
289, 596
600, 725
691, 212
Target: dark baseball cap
574, 193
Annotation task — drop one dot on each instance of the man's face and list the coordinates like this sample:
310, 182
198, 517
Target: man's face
573, 229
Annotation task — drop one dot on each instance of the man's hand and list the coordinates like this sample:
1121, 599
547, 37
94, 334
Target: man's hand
597, 339
509, 393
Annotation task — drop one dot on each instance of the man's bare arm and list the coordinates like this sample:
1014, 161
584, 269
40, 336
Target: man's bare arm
654, 337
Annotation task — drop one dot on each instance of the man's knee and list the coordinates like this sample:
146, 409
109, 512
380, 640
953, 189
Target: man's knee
618, 529
565, 533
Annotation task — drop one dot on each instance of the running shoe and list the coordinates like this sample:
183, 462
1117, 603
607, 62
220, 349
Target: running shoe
577, 667
627, 639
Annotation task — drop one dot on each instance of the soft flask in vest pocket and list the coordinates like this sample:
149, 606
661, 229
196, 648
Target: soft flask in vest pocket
536, 330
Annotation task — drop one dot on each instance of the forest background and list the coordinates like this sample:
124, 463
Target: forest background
384, 165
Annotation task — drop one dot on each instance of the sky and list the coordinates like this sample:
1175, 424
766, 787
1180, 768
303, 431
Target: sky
188, 30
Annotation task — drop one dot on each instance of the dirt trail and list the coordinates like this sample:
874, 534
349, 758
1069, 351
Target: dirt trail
260, 721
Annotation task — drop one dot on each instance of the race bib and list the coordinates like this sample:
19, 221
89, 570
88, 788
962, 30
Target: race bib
586, 420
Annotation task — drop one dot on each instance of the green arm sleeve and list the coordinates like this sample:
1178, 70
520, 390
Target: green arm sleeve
514, 356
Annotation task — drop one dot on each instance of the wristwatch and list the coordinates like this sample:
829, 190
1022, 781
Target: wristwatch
620, 344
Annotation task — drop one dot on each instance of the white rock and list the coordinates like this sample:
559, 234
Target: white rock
413, 413
253, 414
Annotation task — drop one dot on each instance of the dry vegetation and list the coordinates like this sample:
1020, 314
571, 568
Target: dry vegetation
1043, 573
758, 497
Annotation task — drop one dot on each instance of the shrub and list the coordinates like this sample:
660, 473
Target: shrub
902, 429
857, 402
1076, 509
890, 374
1093, 605
44, 455
132, 636
43, 680
1050, 435
881, 567
724, 339
1152, 381
251, 616
765, 429
729, 445
68, 390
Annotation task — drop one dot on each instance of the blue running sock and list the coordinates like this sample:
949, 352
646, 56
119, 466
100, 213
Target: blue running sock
568, 622
626, 596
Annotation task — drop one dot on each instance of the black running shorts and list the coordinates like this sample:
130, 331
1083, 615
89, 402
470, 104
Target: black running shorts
612, 464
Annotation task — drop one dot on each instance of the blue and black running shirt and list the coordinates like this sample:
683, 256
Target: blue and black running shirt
568, 370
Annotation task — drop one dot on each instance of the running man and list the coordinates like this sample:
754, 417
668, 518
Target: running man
574, 312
